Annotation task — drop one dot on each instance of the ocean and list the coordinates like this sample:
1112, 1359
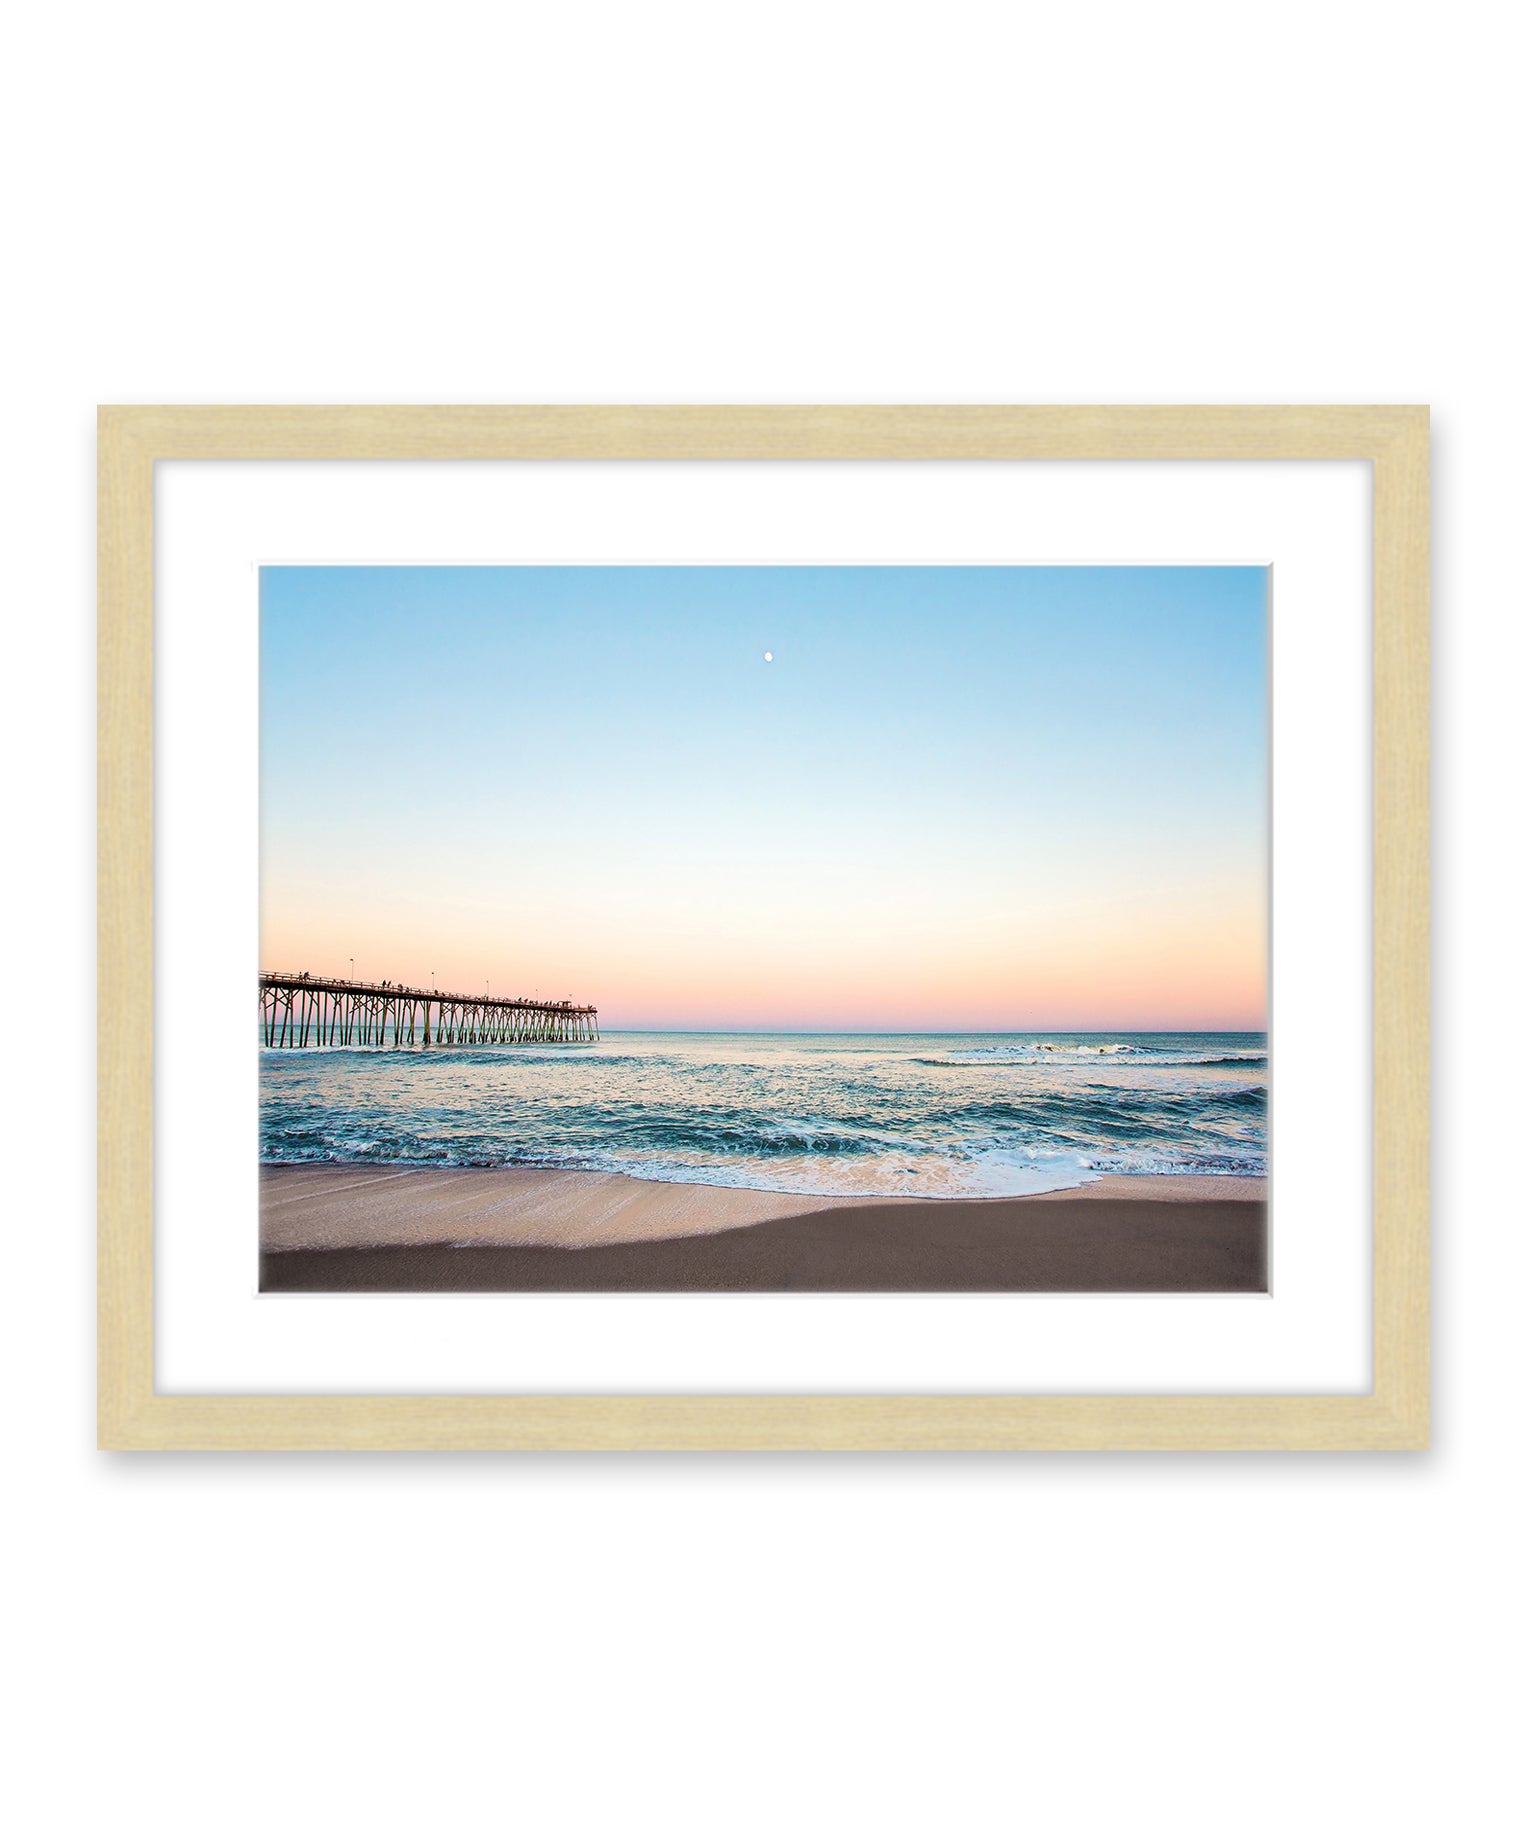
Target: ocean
923, 1115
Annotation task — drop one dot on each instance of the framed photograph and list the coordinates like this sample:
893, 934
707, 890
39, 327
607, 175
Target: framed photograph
824, 928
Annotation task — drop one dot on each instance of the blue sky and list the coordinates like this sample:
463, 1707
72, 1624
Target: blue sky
953, 791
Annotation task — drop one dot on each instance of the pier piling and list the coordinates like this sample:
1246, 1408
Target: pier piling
350, 1013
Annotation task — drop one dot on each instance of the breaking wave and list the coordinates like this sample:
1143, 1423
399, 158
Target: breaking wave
934, 1116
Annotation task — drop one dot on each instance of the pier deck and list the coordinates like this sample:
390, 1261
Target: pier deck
299, 1010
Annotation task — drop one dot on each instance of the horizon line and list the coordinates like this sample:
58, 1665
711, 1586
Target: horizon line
938, 1031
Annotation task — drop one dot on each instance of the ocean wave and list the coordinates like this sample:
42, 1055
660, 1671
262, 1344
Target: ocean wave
751, 1139
451, 1054
1197, 1166
1009, 1054
1026, 1129
899, 1117
1137, 1057
1134, 1117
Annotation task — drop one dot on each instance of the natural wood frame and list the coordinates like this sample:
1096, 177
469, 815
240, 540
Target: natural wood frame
1395, 439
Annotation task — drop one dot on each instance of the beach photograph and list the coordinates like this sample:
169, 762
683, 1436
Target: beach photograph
764, 927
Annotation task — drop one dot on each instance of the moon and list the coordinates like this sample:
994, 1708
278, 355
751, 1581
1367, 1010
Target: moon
768, 656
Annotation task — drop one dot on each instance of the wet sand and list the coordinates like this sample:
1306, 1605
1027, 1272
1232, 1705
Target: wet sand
395, 1229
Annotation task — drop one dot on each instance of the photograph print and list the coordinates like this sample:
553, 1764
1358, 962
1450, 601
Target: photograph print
779, 928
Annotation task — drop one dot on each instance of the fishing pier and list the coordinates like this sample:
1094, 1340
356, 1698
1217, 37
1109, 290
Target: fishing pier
299, 1010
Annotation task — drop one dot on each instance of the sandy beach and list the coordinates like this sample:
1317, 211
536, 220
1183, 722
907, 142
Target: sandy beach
337, 1228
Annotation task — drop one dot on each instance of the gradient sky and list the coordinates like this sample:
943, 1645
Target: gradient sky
959, 798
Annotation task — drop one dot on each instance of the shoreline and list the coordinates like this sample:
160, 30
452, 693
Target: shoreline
333, 1227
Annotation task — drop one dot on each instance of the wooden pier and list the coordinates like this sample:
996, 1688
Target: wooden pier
300, 1010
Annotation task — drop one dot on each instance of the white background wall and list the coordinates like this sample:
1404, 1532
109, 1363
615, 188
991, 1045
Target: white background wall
803, 202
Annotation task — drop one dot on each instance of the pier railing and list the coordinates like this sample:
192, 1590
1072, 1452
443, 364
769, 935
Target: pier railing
299, 1010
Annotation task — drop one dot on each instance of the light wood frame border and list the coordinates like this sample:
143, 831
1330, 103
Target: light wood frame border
1395, 439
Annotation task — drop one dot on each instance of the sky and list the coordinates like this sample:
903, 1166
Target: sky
957, 798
